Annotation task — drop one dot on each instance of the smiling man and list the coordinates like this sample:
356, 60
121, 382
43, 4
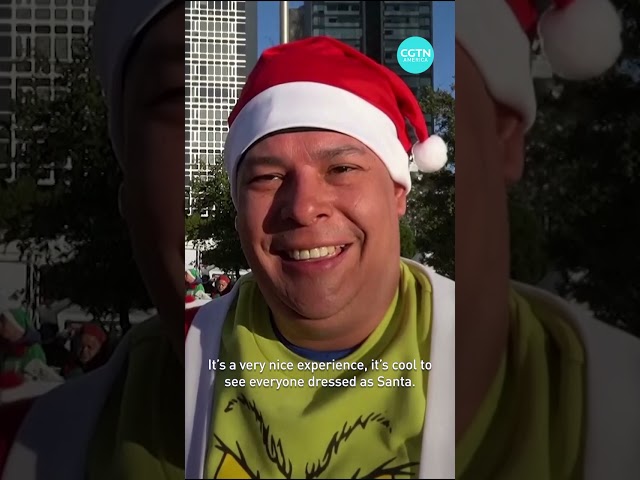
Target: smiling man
318, 157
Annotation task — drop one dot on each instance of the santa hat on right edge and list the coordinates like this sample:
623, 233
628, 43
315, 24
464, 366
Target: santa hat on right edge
581, 39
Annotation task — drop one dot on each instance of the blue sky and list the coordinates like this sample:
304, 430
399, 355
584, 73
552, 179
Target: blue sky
443, 36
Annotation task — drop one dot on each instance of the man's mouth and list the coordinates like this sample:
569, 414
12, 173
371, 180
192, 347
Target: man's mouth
315, 253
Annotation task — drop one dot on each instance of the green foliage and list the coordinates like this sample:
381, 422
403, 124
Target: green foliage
215, 232
529, 261
431, 202
67, 135
582, 179
408, 247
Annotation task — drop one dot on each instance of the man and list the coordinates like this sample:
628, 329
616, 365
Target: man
19, 342
89, 351
122, 420
318, 157
542, 392
223, 285
193, 282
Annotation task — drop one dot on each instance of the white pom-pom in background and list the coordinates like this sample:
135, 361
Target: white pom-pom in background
582, 40
430, 155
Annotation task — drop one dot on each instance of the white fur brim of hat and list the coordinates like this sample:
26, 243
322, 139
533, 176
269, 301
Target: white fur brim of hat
580, 42
316, 105
117, 25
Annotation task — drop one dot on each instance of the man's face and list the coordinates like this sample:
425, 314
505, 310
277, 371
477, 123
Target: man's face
88, 348
222, 284
318, 220
153, 193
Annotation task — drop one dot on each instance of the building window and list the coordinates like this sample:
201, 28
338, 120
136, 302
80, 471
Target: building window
43, 13
43, 29
77, 3
5, 12
23, 28
5, 47
61, 29
77, 14
22, 67
77, 30
62, 48
61, 14
61, 3
23, 13
43, 46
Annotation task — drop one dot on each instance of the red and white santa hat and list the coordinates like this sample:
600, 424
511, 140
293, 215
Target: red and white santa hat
320, 82
581, 39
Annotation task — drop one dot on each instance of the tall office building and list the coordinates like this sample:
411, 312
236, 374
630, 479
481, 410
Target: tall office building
221, 49
47, 28
374, 28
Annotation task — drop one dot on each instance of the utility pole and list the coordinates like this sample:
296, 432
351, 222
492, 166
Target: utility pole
284, 22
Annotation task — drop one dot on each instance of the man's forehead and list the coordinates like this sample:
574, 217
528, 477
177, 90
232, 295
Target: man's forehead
163, 41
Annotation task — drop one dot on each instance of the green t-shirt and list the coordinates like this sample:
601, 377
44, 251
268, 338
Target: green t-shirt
367, 431
140, 431
529, 426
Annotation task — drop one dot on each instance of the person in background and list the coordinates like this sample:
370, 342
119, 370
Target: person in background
223, 286
193, 283
90, 351
19, 345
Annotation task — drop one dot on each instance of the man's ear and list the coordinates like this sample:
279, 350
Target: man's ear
400, 193
511, 133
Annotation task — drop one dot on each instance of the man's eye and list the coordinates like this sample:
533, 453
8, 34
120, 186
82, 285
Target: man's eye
265, 178
342, 169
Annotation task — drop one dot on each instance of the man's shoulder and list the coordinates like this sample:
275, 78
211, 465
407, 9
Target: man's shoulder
581, 319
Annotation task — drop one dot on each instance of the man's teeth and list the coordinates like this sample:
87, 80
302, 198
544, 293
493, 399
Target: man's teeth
313, 253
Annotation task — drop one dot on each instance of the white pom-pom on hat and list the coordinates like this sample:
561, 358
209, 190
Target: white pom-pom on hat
581, 40
430, 155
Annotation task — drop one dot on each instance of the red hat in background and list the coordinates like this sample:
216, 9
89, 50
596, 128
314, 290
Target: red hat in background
94, 330
322, 83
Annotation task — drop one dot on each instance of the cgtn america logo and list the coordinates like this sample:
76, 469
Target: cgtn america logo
415, 55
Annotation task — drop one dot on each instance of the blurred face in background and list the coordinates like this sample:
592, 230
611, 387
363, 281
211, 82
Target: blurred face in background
222, 284
318, 221
152, 195
88, 348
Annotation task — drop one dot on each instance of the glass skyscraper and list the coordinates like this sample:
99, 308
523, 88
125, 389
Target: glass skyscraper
221, 49
374, 28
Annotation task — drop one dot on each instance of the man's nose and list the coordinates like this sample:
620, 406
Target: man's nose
305, 199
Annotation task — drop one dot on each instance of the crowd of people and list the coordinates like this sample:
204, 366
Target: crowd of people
204, 287
46, 354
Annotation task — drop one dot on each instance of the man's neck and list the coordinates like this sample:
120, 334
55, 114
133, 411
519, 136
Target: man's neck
346, 329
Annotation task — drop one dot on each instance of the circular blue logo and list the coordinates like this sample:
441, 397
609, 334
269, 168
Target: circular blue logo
415, 55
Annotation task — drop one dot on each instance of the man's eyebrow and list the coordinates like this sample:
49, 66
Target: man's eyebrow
323, 154
256, 160
331, 153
